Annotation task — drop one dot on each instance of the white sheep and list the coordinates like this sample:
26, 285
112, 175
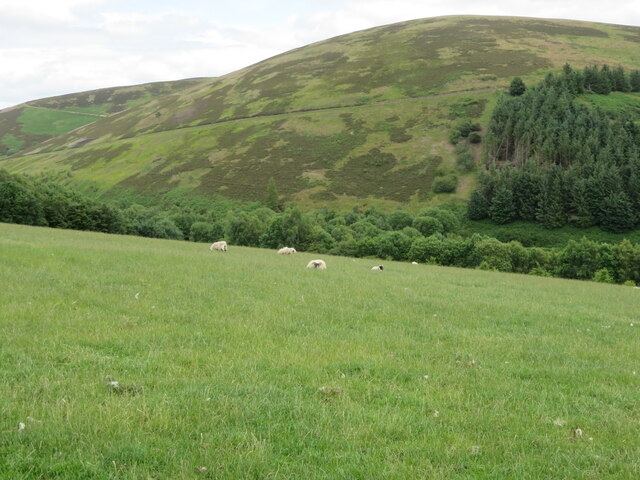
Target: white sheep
287, 251
377, 267
221, 246
319, 264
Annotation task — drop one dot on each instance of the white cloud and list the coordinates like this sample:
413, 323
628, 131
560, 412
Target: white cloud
44, 11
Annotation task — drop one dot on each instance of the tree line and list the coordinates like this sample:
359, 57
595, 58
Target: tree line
552, 159
431, 236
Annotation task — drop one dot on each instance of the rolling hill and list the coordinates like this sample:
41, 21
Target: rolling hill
360, 118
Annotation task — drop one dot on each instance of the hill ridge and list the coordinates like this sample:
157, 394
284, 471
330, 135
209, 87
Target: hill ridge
420, 78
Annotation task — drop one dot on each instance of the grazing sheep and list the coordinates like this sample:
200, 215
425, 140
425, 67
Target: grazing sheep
377, 267
319, 264
414, 263
287, 251
220, 246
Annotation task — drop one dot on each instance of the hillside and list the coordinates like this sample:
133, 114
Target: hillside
24, 126
246, 364
360, 118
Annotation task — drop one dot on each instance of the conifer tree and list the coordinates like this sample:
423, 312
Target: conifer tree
551, 213
272, 199
618, 216
517, 87
620, 80
502, 208
634, 81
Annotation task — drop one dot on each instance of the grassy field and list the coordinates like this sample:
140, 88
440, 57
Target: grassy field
246, 364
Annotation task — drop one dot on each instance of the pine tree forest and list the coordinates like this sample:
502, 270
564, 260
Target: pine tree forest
554, 159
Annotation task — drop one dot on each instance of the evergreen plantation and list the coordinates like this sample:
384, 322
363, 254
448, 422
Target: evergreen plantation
553, 159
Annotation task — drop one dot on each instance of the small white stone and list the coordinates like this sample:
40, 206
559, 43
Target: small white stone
21, 427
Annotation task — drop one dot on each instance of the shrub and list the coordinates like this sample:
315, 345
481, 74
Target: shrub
603, 276
474, 137
517, 87
206, 232
428, 225
445, 184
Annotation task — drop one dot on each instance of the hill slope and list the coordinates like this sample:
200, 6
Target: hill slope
253, 366
24, 126
364, 115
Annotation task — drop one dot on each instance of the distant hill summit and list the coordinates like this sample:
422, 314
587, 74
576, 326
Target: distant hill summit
359, 118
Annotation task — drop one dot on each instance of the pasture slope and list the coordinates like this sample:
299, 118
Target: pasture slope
360, 118
246, 364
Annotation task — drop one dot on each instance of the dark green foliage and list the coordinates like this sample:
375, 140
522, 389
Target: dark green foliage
446, 184
272, 199
464, 156
481, 197
18, 203
503, 209
400, 219
474, 137
428, 225
617, 213
620, 80
551, 211
208, 232
290, 229
244, 228
449, 218
467, 127
494, 254
583, 259
603, 276
517, 87
392, 245
564, 161
627, 261
634, 81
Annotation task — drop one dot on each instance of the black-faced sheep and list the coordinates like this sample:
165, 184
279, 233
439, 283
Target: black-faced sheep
319, 264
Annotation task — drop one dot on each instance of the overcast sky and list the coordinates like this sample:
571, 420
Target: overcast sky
53, 47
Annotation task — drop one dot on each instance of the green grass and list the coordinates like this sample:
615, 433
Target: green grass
615, 101
39, 121
532, 234
12, 143
253, 366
